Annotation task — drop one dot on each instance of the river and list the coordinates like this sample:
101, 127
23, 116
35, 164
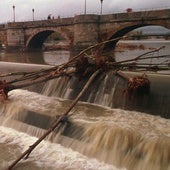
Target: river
100, 136
131, 48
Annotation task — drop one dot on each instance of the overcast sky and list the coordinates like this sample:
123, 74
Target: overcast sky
67, 8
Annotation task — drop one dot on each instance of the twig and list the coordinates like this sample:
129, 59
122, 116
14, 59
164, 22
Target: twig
57, 121
155, 50
154, 57
140, 56
91, 47
45, 72
44, 79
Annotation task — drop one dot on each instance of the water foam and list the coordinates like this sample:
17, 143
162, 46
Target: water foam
49, 155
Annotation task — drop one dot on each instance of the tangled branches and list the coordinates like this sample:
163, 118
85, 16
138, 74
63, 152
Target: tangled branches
84, 65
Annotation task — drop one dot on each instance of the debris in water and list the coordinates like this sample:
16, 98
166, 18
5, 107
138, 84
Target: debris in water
138, 85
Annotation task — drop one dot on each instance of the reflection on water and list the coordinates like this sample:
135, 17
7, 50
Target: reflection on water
38, 57
21, 57
61, 56
56, 57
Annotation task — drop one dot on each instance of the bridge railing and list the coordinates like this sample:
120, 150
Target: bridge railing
50, 22
126, 16
137, 15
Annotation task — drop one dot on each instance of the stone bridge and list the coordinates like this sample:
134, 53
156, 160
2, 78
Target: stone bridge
80, 31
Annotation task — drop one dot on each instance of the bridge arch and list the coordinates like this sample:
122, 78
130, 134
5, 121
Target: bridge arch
124, 29
38, 37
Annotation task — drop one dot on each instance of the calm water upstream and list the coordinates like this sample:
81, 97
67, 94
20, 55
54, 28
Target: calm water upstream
100, 136
130, 50
48, 57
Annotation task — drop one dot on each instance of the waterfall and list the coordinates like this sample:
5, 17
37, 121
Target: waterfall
108, 90
105, 124
122, 138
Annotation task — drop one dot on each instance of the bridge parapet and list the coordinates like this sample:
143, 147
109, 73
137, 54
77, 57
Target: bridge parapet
90, 18
42, 23
129, 16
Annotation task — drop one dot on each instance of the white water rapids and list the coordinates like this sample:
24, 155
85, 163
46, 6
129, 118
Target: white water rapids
46, 156
132, 139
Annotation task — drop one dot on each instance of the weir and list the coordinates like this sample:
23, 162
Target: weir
109, 90
106, 124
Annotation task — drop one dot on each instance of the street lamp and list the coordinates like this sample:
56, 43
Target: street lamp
85, 8
101, 10
13, 12
33, 14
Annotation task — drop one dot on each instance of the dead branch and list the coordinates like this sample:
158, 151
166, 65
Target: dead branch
56, 122
91, 47
80, 64
82, 67
30, 78
140, 57
155, 50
